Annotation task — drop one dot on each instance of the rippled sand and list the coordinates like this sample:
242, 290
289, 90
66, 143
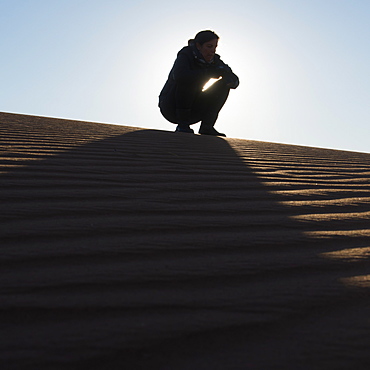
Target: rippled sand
125, 248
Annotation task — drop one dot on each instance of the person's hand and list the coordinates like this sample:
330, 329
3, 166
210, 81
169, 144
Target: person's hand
225, 72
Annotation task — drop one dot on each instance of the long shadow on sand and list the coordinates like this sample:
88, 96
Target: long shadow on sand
154, 250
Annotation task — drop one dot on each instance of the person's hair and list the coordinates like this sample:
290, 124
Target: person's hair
202, 37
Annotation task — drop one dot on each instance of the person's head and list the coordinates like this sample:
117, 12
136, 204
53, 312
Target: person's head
206, 42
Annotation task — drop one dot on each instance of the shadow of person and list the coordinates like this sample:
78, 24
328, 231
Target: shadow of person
150, 249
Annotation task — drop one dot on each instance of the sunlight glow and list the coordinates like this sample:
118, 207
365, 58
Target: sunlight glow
210, 83
301, 71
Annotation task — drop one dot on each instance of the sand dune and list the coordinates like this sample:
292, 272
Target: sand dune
125, 248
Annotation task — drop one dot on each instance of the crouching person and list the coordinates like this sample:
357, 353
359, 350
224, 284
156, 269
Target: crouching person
183, 99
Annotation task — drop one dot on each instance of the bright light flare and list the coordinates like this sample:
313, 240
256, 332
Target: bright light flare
210, 83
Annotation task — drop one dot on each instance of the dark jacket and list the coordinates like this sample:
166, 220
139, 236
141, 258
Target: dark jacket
190, 68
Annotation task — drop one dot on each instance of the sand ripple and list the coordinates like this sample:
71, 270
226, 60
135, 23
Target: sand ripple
131, 248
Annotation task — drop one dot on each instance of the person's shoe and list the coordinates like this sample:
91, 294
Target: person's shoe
184, 128
210, 131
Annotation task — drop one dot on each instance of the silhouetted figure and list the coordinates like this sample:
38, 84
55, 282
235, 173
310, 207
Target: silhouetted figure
183, 100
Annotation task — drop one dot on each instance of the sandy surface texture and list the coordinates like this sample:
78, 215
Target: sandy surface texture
126, 248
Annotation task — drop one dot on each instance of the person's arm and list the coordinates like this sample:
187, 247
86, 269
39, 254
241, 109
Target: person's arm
230, 78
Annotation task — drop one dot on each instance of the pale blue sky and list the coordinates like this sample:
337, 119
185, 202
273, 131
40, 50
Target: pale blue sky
304, 65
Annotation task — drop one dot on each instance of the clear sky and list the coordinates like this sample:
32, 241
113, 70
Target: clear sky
304, 65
